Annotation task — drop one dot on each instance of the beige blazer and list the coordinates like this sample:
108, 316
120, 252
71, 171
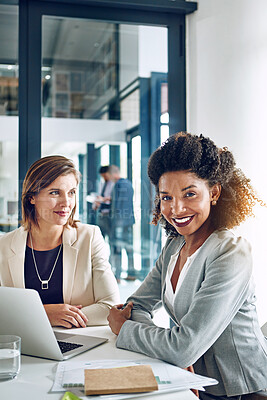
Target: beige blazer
87, 275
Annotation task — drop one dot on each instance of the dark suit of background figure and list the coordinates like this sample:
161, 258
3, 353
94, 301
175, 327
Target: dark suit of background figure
103, 202
103, 216
122, 217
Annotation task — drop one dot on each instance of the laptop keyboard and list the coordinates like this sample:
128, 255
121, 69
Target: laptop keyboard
66, 346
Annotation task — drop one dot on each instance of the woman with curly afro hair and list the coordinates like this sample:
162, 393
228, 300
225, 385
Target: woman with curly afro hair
203, 276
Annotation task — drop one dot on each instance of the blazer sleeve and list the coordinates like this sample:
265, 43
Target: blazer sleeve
105, 288
148, 297
227, 274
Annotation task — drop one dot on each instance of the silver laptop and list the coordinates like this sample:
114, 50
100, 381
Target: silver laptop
22, 313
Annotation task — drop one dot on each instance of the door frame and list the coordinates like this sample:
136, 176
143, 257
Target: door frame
147, 12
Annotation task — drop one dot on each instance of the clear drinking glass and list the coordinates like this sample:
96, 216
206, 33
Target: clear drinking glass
9, 356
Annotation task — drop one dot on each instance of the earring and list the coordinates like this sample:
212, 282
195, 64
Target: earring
214, 202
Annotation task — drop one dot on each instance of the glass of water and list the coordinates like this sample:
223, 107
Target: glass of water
9, 356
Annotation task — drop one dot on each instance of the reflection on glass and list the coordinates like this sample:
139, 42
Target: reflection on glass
9, 60
91, 95
9, 89
81, 70
130, 109
8, 118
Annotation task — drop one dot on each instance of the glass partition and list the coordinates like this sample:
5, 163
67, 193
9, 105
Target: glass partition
92, 101
8, 117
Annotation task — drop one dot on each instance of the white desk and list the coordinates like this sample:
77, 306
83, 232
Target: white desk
37, 375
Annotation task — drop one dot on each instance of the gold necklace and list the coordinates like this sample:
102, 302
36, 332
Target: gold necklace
44, 283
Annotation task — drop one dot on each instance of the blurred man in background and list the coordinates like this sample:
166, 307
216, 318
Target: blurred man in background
122, 220
103, 202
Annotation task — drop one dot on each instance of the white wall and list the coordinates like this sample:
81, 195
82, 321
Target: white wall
227, 100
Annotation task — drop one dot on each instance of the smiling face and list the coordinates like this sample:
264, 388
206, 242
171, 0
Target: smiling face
185, 202
54, 204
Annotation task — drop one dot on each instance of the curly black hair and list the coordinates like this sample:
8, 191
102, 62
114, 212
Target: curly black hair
198, 154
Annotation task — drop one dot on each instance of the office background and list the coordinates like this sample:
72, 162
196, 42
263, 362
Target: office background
102, 82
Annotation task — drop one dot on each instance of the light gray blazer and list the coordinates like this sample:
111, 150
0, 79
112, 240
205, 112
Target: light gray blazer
216, 325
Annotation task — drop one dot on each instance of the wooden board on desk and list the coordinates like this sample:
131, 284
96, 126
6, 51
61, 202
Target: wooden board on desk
133, 379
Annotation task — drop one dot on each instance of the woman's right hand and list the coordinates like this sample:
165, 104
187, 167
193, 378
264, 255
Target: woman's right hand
118, 315
66, 315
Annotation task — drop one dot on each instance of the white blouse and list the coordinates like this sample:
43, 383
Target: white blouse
169, 293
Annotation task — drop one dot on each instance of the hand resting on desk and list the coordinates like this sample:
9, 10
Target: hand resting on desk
65, 315
118, 315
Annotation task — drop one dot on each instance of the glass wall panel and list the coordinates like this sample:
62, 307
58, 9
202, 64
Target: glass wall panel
164, 117
130, 109
8, 117
91, 105
136, 173
79, 71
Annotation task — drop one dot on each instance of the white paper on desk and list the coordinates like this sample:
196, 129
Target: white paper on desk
70, 376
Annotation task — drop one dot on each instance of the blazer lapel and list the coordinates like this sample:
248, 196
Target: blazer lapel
16, 262
70, 254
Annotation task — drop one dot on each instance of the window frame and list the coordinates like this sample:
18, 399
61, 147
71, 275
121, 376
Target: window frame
151, 12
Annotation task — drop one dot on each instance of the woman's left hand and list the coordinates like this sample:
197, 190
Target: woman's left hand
117, 316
